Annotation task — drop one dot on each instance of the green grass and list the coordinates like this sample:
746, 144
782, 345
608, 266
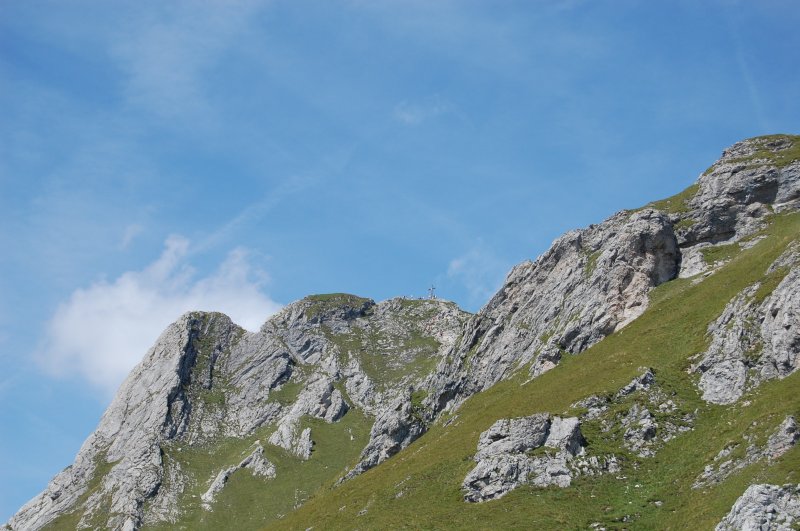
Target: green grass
390, 355
417, 404
419, 488
251, 502
338, 299
779, 159
719, 253
685, 223
330, 301
69, 521
288, 392
769, 283
678, 203
209, 357
591, 262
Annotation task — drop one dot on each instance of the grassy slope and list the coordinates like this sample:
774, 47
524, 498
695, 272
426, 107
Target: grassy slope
389, 357
250, 502
420, 487
69, 521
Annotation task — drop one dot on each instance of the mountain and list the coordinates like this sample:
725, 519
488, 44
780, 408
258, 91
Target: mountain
641, 373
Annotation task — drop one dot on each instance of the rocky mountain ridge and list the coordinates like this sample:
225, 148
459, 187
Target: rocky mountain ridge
401, 366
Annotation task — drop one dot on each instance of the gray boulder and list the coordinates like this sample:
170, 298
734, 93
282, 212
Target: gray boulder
502, 462
514, 436
764, 508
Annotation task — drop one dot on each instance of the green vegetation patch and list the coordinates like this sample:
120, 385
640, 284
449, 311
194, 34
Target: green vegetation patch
769, 283
685, 223
420, 488
330, 301
778, 158
417, 405
678, 203
288, 392
209, 356
392, 353
69, 521
591, 262
719, 253
252, 502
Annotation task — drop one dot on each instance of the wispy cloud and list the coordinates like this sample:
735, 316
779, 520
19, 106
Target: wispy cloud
167, 54
745, 70
480, 271
410, 113
254, 212
102, 331
130, 233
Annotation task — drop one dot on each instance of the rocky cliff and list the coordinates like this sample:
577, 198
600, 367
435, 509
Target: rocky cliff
216, 420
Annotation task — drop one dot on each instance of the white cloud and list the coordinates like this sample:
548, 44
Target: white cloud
102, 331
479, 271
415, 113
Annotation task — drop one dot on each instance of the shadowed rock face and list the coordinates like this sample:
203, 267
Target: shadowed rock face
402, 362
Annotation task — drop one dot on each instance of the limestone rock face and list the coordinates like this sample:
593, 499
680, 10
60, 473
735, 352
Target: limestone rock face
258, 464
394, 429
732, 195
590, 283
502, 461
207, 379
756, 338
318, 399
514, 436
152, 404
762, 507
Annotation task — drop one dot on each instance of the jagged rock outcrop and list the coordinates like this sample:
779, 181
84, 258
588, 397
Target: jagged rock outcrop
749, 180
642, 433
256, 462
762, 507
640, 428
590, 283
503, 463
207, 379
394, 429
594, 281
785, 436
318, 399
757, 337
152, 404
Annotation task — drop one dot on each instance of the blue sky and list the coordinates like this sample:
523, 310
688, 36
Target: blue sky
162, 156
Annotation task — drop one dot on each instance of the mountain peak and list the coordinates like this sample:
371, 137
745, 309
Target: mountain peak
217, 422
